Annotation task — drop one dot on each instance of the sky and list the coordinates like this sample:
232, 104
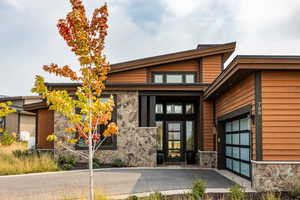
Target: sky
141, 28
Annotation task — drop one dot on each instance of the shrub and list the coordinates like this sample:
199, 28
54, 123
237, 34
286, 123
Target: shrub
198, 189
11, 164
156, 196
66, 162
271, 196
20, 153
295, 189
237, 193
96, 163
118, 163
7, 139
133, 197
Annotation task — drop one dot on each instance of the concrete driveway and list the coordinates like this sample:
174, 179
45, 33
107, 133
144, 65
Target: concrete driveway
110, 181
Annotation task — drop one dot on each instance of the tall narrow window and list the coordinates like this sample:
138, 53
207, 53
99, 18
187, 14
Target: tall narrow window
189, 126
159, 109
159, 136
189, 78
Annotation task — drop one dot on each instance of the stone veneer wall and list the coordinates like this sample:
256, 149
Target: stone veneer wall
207, 159
274, 176
136, 146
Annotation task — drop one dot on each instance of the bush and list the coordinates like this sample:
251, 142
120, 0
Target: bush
237, 193
156, 196
20, 153
96, 163
11, 164
295, 189
133, 197
118, 163
7, 139
271, 196
198, 189
66, 162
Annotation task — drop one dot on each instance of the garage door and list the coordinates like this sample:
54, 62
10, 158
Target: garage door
238, 148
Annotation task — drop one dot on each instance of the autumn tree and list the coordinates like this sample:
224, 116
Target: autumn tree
86, 40
5, 109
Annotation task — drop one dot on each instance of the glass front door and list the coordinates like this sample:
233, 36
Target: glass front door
174, 141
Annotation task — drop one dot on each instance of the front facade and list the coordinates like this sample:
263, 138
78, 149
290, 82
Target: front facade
186, 108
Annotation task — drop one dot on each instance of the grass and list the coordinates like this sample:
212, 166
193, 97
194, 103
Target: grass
10, 164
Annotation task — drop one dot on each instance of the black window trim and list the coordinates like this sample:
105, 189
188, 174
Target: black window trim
164, 74
114, 137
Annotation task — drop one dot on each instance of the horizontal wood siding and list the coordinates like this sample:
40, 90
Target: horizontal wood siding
240, 95
133, 76
212, 67
183, 66
208, 135
45, 127
281, 115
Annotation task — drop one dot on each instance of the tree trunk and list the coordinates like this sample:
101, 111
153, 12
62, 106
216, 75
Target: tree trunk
91, 185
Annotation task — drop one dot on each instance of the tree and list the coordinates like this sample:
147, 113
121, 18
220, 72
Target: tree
86, 39
5, 110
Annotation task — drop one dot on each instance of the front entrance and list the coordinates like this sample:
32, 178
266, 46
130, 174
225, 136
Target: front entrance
174, 141
176, 119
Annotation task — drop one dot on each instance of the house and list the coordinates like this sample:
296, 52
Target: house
21, 120
186, 107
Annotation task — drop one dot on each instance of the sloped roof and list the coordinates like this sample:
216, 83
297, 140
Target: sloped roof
202, 50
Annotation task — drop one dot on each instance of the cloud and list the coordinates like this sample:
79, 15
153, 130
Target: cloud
141, 28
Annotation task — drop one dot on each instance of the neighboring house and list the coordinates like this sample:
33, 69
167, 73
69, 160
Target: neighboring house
21, 120
244, 118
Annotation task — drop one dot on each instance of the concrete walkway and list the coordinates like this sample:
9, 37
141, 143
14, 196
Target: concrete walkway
110, 181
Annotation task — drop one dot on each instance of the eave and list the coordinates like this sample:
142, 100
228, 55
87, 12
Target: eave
243, 65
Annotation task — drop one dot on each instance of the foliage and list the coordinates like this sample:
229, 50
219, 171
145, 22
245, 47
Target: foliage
118, 163
198, 189
237, 193
96, 163
20, 153
271, 196
156, 196
133, 197
5, 109
295, 188
66, 162
11, 164
7, 139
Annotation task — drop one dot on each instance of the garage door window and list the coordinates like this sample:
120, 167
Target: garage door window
237, 146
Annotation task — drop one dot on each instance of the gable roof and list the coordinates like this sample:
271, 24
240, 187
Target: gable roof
202, 50
242, 65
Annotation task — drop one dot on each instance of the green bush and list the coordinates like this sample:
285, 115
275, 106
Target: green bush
66, 162
133, 197
271, 196
237, 193
156, 196
118, 163
198, 189
20, 153
96, 163
295, 189
7, 139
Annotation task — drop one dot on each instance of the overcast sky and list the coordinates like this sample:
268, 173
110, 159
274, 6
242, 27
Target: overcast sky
141, 28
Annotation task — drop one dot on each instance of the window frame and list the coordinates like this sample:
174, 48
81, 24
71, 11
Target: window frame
164, 74
113, 146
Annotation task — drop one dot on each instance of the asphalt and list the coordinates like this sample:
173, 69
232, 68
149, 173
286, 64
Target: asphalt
109, 181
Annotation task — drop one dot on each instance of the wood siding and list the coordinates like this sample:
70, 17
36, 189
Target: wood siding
281, 115
133, 76
211, 67
240, 95
45, 127
208, 126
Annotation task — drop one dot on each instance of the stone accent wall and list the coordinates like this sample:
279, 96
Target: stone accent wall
136, 146
275, 177
207, 159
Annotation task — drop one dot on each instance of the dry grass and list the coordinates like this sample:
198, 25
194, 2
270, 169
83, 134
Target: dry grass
9, 164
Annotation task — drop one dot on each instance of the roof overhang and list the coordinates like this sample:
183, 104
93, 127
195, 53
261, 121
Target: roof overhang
35, 106
19, 98
135, 86
226, 49
243, 65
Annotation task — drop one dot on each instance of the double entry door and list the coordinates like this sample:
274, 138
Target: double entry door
174, 141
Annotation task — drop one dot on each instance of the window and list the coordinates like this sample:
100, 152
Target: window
110, 143
158, 78
159, 109
2, 123
174, 77
174, 109
189, 109
160, 134
189, 128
